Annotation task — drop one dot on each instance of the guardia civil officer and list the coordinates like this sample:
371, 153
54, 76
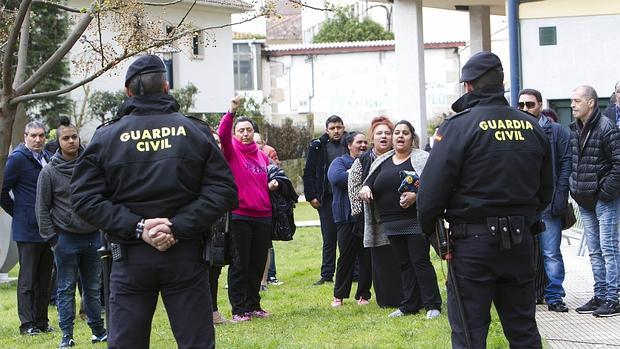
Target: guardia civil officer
154, 181
489, 174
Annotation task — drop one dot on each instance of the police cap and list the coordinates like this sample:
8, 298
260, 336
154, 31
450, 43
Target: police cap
144, 65
479, 64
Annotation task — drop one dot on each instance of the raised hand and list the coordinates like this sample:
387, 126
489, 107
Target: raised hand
235, 103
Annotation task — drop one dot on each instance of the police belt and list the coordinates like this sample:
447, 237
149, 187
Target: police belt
464, 230
504, 232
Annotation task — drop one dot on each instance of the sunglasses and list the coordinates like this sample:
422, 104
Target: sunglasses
529, 105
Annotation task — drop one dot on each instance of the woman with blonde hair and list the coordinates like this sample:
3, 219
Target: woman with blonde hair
385, 274
398, 221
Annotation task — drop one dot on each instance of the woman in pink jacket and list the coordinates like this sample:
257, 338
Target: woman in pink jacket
251, 222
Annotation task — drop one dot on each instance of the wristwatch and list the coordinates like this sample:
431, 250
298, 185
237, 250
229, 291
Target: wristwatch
139, 229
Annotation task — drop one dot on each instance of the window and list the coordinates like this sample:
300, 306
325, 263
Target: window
246, 60
198, 45
547, 36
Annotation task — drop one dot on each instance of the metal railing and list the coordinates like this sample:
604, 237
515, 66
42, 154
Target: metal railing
576, 231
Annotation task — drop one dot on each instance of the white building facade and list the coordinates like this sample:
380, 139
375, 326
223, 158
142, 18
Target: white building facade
567, 43
355, 80
205, 61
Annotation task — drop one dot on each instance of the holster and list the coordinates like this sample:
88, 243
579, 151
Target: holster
506, 231
493, 228
517, 227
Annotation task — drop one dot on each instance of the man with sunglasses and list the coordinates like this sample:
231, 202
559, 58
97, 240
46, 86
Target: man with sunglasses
530, 100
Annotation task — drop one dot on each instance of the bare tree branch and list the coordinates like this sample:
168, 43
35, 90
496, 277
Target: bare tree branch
60, 53
100, 38
70, 88
79, 117
228, 25
119, 59
185, 16
60, 6
22, 51
146, 3
300, 3
7, 62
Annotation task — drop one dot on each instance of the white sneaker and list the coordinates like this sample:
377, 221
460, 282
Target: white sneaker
396, 313
433, 313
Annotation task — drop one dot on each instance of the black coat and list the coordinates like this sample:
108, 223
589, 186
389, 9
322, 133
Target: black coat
282, 204
315, 171
595, 171
490, 160
152, 162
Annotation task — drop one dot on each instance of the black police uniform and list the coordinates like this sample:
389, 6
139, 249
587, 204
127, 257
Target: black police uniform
489, 169
155, 162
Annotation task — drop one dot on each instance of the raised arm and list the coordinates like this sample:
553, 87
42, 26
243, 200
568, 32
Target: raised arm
224, 131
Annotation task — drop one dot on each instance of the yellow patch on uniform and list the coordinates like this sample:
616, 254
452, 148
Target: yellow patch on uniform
438, 137
506, 130
155, 139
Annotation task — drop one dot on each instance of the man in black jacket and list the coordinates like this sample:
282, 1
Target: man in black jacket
317, 190
595, 186
154, 181
490, 174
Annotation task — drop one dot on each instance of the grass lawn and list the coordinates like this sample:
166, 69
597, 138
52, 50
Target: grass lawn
305, 212
302, 316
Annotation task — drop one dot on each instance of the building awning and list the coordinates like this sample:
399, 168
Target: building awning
235, 6
497, 7
346, 47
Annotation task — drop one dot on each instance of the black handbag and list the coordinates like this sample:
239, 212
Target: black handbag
568, 217
220, 244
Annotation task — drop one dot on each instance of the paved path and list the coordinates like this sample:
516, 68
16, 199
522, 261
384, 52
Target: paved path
571, 330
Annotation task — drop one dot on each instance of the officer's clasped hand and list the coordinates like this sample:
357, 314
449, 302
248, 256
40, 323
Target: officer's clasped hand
157, 232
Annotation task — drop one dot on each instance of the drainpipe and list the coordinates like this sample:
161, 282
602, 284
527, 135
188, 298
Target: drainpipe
310, 59
513, 43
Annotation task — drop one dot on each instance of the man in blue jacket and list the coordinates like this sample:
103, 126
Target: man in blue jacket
35, 254
530, 100
317, 190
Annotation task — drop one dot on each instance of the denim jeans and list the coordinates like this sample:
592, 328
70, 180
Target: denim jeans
601, 233
271, 271
550, 241
77, 253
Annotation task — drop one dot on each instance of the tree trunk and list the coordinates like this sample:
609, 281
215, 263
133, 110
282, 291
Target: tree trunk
7, 118
18, 125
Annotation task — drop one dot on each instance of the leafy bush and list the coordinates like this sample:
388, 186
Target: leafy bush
434, 123
103, 105
185, 97
290, 142
345, 26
